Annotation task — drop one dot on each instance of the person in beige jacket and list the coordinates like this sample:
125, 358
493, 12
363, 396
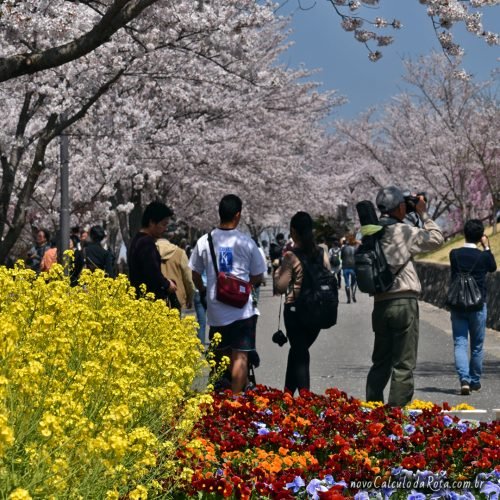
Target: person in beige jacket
174, 266
395, 317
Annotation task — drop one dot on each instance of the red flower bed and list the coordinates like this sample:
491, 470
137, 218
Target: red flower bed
266, 443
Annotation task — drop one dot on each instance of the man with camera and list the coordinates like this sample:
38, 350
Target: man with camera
395, 317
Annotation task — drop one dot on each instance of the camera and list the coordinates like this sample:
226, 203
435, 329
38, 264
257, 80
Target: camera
279, 338
411, 200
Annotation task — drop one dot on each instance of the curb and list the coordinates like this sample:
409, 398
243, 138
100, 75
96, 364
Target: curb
477, 414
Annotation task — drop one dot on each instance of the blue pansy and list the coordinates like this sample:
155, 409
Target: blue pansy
296, 484
387, 492
263, 431
314, 486
409, 428
362, 495
396, 471
491, 490
415, 495
462, 426
447, 421
259, 424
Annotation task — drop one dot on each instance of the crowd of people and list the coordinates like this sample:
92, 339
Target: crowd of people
221, 274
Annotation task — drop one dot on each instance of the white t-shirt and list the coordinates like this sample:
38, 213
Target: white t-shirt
236, 254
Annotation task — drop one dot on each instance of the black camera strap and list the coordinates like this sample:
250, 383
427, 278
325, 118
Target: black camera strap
279, 313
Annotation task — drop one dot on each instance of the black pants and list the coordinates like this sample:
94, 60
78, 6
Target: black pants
301, 338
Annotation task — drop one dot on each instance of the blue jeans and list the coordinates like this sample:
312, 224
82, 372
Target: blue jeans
349, 278
201, 317
464, 324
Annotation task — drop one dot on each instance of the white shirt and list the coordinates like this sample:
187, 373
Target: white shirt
261, 250
236, 254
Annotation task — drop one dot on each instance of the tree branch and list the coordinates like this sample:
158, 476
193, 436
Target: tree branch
116, 17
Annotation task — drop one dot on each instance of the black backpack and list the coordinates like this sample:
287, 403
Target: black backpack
275, 251
335, 257
372, 271
464, 294
318, 301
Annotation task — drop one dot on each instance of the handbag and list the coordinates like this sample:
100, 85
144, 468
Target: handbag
464, 294
173, 301
230, 290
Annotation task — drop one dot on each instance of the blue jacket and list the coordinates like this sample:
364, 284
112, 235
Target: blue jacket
464, 259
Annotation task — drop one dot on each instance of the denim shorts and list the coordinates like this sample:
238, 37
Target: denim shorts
237, 336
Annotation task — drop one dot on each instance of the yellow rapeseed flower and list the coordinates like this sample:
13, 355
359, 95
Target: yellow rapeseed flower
139, 493
94, 375
19, 494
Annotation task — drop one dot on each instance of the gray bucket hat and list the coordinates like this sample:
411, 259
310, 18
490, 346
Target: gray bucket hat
389, 198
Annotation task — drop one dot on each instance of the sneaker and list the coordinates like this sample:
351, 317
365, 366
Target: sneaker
475, 387
464, 388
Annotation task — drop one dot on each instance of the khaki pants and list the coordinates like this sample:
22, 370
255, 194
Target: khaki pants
395, 323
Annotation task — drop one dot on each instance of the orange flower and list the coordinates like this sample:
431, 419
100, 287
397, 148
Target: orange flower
283, 451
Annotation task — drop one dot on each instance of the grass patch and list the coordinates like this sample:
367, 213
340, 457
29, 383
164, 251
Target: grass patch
441, 256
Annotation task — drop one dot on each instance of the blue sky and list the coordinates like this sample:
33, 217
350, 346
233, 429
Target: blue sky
320, 42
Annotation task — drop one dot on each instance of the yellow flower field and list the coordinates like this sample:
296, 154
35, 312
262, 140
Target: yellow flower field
95, 387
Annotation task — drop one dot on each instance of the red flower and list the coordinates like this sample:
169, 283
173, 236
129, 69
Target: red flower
408, 463
375, 428
330, 495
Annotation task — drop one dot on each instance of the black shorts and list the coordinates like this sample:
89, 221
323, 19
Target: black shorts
237, 336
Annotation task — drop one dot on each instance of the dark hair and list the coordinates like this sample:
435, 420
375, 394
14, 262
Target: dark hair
56, 238
280, 236
302, 223
473, 231
97, 233
46, 233
155, 212
229, 206
75, 240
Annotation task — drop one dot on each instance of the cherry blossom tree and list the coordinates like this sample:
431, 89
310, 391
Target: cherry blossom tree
36, 28
441, 139
444, 14
194, 106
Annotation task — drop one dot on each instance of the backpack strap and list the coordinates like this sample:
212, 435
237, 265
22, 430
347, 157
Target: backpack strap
306, 268
473, 265
212, 253
378, 237
87, 259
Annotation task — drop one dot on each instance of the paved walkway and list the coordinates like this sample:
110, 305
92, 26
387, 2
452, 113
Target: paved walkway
341, 356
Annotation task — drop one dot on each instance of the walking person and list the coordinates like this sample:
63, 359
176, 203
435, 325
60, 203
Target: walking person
275, 255
348, 265
335, 261
236, 254
175, 265
395, 317
200, 309
36, 252
95, 255
49, 258
471, 324
143, 258
289, 279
